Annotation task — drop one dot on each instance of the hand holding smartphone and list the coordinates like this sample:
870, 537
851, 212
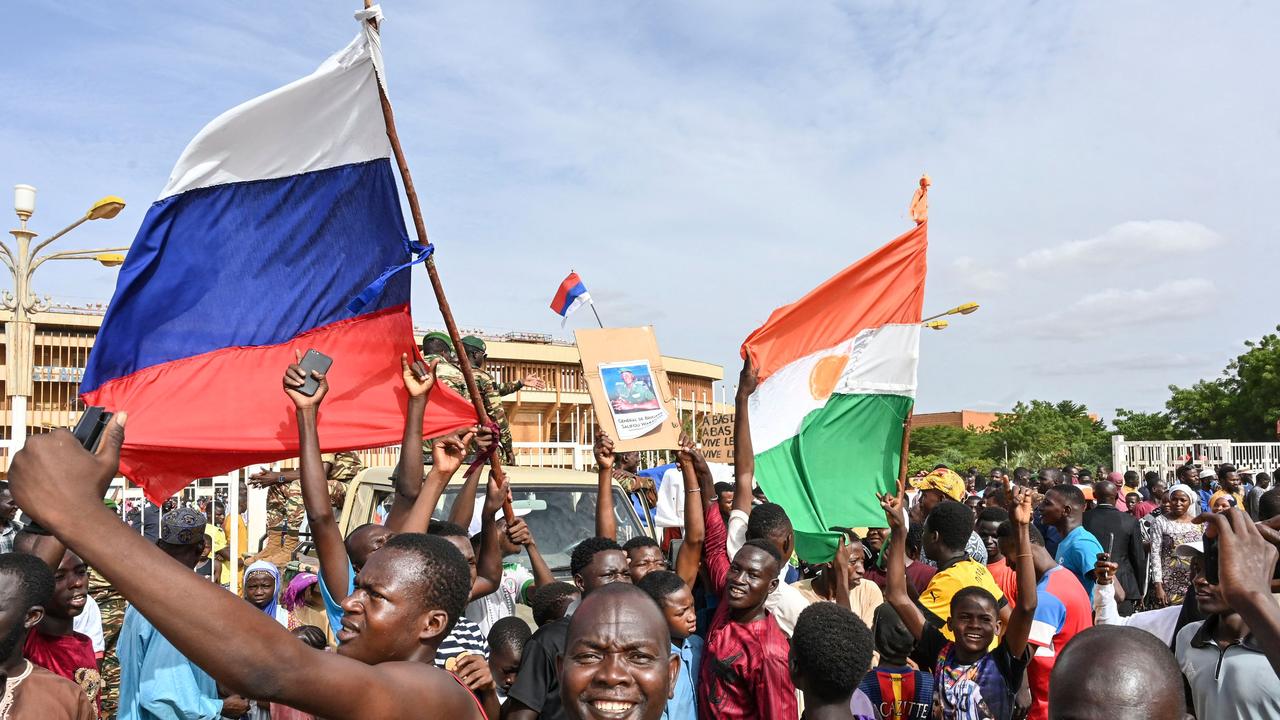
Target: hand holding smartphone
313, 361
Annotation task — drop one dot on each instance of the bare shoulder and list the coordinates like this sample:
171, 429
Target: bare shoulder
415, 685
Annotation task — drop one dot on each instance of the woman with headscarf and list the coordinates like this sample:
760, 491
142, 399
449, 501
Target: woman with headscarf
261, 587
1170, 574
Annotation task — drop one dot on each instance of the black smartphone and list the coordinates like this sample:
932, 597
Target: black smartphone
89, 429
313, 361
1210, 560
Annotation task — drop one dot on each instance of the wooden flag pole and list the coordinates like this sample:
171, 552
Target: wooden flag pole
415, 209
902, 461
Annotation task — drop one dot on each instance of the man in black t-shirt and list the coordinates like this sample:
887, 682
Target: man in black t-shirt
596, 562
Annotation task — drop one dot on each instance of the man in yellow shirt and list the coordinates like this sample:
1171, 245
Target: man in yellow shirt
1228, 484
946, 532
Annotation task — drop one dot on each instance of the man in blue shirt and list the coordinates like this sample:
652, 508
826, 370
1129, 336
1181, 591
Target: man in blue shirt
157, 681
1063, 509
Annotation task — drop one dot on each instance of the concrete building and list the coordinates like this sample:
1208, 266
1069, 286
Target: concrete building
554, 426
957, 419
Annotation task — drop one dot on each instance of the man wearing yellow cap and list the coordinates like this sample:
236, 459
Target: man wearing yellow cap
944, 484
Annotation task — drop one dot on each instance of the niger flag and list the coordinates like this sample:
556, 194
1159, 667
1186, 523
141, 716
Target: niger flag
837, 373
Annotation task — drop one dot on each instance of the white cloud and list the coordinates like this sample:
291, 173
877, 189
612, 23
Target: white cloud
1103, 313
977, 276
1129, 242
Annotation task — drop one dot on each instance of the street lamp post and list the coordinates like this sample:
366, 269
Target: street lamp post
22, 262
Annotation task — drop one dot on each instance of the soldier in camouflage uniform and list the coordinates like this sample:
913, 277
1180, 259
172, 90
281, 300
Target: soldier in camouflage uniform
285, 511
492, 391
111, 604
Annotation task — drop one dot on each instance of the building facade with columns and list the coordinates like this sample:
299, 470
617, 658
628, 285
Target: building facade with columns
553, 426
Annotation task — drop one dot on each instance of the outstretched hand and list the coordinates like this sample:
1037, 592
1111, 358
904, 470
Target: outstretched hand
1021, 508
533, 381
603, 451
892, 506
418, 378
295, 377
53, 472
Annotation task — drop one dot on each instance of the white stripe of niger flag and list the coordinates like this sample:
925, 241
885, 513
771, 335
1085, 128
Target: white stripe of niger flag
837, 378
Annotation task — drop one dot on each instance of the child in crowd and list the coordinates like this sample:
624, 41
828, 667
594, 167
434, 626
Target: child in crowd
506, 646
552, 602
676, 601
896, 690
972, 679
313, 637
261, 587
830, 652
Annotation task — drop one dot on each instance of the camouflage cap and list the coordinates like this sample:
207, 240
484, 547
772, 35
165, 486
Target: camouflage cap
475, 343
183, 526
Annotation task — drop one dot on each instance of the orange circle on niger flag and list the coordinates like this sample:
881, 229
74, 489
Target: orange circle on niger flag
825, 374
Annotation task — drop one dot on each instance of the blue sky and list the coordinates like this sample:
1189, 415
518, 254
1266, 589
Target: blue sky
1102, 171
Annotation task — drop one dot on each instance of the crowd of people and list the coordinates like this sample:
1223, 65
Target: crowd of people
1058, 594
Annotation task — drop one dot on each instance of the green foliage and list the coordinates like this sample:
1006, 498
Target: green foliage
1046, 433
1135, 425
1242, 405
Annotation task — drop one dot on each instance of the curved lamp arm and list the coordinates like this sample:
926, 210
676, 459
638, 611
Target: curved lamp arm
45, 243
74, 255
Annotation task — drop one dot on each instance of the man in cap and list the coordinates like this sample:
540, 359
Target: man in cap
492, 391
156, 680
944, 484
436, 346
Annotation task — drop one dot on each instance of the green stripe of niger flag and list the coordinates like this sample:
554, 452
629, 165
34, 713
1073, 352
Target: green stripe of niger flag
845, 452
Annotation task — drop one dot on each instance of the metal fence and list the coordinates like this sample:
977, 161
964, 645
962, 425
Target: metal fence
1163, 456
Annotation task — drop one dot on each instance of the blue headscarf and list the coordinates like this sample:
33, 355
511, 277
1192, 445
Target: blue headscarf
270, 569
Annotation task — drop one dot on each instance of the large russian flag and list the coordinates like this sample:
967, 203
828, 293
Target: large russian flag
277, 215
837, 373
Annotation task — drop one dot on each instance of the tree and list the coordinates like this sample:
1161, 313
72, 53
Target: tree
1046, 433
1144, 426
1242, 405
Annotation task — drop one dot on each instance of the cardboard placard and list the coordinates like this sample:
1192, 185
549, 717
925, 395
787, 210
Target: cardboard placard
636, 408
715, 438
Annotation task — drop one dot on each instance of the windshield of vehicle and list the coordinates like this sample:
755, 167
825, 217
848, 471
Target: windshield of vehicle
559, 517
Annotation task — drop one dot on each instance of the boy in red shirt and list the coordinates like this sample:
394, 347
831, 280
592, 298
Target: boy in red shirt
54, 644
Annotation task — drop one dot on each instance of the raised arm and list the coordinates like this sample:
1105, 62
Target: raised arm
744, 459
606, 524
446, 457
895, 590
335, 566
489, 559
464, 505
60, 484
695, 530
1019, 626
408, 481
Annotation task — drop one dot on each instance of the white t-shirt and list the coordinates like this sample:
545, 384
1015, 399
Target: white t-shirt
786, 603
487, 610
89, 622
